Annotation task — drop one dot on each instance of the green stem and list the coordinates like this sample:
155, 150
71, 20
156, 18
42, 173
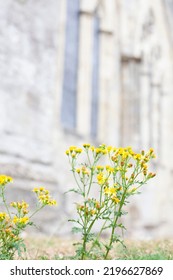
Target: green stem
74, 175
91, 225
4, 201
85, 235
91, 178
37, 210
88, 157
98, 236
114, 225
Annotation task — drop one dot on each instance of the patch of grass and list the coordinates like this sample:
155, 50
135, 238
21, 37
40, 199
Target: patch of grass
45, 248
152, 250
42, 248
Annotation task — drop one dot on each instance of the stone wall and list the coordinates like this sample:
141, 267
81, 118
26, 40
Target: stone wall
28, 70
77, 71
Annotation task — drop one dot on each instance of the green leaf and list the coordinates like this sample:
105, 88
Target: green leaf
72, 220
97, 243
90, 237
121, 226
75, 191
77, 230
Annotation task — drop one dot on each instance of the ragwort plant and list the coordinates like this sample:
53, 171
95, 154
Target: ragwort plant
16, 218
122, 175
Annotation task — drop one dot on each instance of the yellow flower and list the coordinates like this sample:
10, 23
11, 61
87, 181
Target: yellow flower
109, 148
92, 148
151, 175
92, 212
109, 168
46, 200
36, 190
5, 179
144, 165
78, 170
78, 150
104, 151
137, 156
98, 150
100, 167
109, 191
44, 196
24, 204
41, 189
72, 148
115, 199
125, 155
86, 145
120, 151
52, 202
13, 204
118, 168
3, 216
67, 152
73, 155
130, 151
17, 220
85, 171
151, 153
101, 178
19, 205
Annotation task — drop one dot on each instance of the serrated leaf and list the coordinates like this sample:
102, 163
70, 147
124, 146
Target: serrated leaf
72, 220
90, 237
76, 230
121, 226
75, 191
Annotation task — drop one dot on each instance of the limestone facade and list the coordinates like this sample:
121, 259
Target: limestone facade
75, 71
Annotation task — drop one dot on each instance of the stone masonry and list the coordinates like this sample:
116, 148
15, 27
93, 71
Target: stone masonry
75, 71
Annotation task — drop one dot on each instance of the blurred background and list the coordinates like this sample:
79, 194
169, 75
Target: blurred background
97, 71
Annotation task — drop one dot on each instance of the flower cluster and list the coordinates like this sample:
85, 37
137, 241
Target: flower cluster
4, 217
90, 208
124, 171
22, 221
44, 197
8, 231
12, 223
5, 180
22, 211
22, 207
73, 151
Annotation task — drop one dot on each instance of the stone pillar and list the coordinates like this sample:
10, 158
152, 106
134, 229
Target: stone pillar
108, 79
84, 89
145, 110
62, 9
130, 101
155, 116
